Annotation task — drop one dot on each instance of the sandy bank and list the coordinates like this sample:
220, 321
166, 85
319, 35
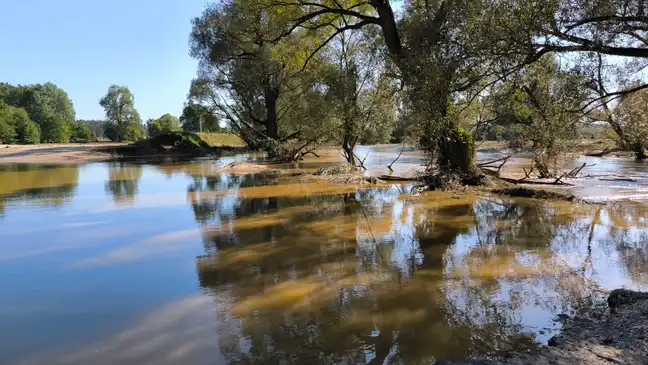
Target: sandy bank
55, 153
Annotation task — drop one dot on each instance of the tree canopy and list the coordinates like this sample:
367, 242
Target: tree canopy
119, 105
165, 124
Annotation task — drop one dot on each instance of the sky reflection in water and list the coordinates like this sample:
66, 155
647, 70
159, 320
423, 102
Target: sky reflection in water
174, 264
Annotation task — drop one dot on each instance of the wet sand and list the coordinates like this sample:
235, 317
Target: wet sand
68, 153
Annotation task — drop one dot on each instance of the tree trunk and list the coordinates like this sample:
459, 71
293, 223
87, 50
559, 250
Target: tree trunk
640, 153
349, 155
456, 154
271, 115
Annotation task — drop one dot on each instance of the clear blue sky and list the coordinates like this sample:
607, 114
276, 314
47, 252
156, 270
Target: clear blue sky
84, 46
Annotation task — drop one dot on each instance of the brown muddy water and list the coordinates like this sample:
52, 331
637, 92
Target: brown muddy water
116, 263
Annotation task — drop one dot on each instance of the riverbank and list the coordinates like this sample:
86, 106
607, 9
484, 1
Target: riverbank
179, 145
601, 337
68, 153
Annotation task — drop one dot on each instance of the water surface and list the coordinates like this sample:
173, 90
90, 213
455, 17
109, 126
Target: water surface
175, 264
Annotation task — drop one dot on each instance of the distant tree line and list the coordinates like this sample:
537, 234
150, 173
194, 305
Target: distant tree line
39, 113
44, 113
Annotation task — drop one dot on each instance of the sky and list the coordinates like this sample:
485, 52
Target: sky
84, 46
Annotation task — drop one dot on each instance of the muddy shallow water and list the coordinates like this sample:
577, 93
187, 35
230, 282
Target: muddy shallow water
115, 263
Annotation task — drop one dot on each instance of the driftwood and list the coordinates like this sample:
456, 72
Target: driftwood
626, 179
396, 159
603, 153
361, 162
492, 164
535, 182
574, 173
397, 178
311, 152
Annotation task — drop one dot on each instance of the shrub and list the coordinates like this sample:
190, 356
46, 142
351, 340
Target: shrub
81, 133
28, 132
7, 132
55, 130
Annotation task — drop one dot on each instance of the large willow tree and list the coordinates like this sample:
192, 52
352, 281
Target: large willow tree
439, 49
447, 49
253, 80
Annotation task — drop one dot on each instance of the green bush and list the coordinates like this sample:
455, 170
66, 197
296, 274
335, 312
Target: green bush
111, 131
17, 127
55, 130
153, 127
28, 132
7, 132
81, 133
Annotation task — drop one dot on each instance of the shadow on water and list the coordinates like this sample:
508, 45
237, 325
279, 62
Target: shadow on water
373, 275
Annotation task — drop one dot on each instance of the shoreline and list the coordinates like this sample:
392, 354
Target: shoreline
82, 153
67, 153
603, 336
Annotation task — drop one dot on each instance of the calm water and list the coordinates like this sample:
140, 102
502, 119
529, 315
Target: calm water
176, 264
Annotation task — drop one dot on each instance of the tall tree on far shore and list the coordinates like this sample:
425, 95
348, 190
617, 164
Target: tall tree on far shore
164, 124
198, 118
119, 104
40, 101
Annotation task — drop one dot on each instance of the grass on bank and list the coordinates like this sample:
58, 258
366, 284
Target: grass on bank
222, 139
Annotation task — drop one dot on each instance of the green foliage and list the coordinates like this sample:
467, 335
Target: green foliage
97, 127
253, 84
81, 132
467, 139
23, 130
541, 105
153, 127
40, 101
55, 130
7, 132
44, 104
197, 118
28, 132
111, 131
165, 124
631, 115
120, 111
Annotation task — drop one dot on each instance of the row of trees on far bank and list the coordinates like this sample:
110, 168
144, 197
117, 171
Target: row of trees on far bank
44, 113
290, 75
39, 113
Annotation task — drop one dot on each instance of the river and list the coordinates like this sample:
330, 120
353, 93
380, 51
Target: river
116, 263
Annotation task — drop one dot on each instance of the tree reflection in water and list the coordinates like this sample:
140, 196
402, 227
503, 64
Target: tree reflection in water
361, 275
123, 181
45, 184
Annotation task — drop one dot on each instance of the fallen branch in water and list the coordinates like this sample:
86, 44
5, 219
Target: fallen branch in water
558, 180
491, 164
311, 152
573, 173
535, 182
361, 162
527, 175
396, 159
397, 178
626, 179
